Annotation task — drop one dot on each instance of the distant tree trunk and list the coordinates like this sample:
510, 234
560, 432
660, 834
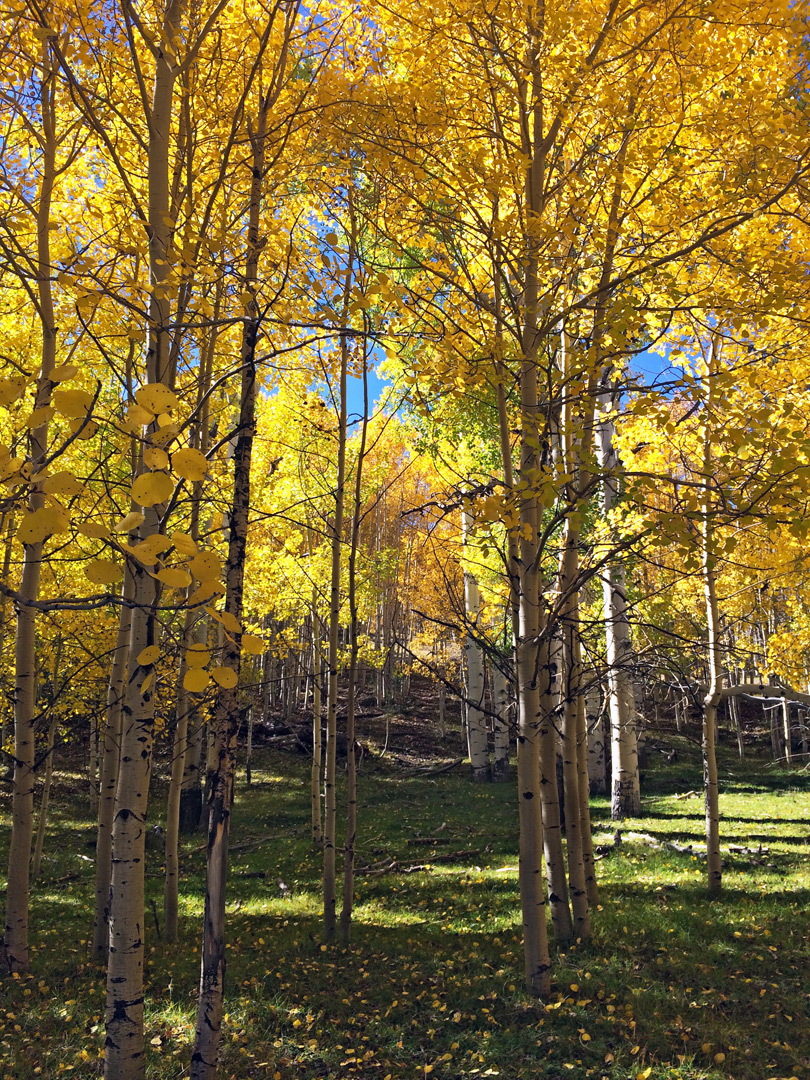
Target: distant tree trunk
179, 750
476, 717
502, 708
46, 791
316, 778
588, 860
625, 791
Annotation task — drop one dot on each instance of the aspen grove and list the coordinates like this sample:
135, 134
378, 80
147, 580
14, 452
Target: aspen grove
355, 355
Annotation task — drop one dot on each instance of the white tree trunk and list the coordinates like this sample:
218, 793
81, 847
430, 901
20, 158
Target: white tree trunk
502, 708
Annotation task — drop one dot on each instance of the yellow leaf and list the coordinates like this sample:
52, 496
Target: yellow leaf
38, 525
205, 566
93, 530
151, 488
149, 655
174, 577
184, 544
206, 591
644, 1073
706, 1047
40, 416
63, 373
61, 483
148, 550
719, 1058
72, 403
86, 430
196, 680
12, 389
253, 645
103, 571
230, 622
156, 458
147, 682
197, 656
166, 434
129, 522
226, 677
156, 397
138, 417
189, 463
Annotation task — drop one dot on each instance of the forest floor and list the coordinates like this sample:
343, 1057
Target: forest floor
673, 985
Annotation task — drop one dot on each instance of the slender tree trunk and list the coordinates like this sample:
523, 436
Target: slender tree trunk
584, 786
179, 751
713, 693
571, 697
208, 1035
46, 791
15, 945
501, 707
474, 655
354, 647
4, 615
330, 801
626, 794
317, 735
110, 756
124, 1043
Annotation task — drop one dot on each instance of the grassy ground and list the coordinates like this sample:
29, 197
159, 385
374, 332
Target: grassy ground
673, 985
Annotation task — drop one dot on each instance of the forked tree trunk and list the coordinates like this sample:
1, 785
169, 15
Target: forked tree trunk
15, 944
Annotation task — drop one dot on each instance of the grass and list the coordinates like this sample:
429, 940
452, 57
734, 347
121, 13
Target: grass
673, 985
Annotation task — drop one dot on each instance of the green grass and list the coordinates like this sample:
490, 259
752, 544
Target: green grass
432, 982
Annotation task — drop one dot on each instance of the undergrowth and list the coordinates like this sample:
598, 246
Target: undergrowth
673, 985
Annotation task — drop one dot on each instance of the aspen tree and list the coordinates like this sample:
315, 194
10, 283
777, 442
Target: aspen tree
354, 649
207, 1037
330, 800
15, 945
